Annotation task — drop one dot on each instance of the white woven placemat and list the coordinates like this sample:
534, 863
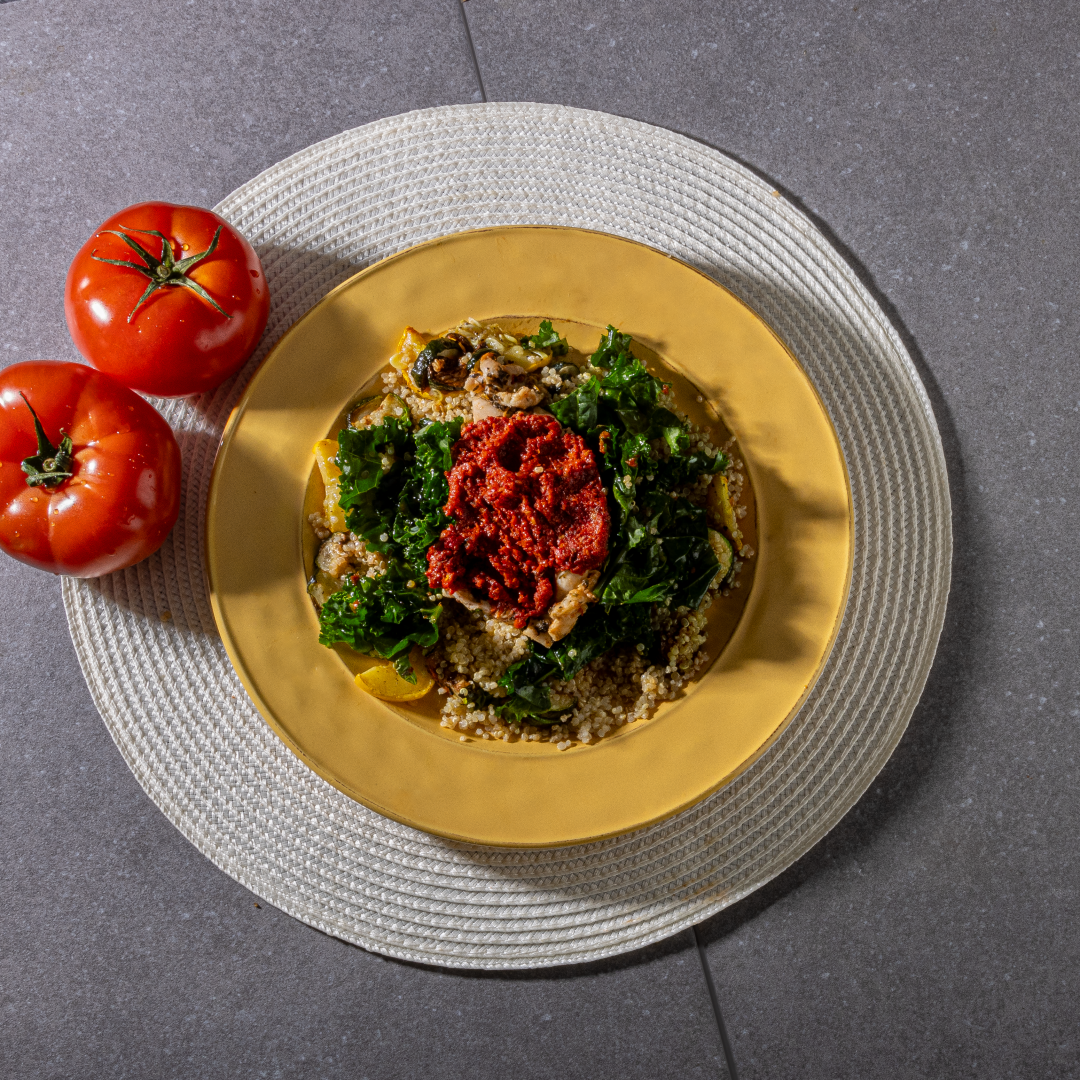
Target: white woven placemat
164, 686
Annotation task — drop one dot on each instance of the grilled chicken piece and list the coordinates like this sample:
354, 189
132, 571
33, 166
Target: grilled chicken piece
468, 601
564, 613
482, 408
524, 397
535, 631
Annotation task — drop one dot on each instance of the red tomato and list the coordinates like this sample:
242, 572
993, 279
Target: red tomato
106, 503
183, 310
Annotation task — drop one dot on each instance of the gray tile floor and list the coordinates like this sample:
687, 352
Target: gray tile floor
933, 933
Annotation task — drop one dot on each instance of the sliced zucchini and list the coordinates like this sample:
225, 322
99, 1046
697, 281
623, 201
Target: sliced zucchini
721, 510
725, 554
410, 346
322, 586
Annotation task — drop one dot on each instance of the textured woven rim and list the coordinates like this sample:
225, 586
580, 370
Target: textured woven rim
159, 675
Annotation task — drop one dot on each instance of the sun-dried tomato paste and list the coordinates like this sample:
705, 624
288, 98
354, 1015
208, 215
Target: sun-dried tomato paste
526, 502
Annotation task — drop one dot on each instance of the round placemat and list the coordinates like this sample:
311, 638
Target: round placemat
160, 678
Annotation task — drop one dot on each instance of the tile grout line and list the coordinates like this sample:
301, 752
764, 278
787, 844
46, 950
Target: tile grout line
472, 48
729, 1057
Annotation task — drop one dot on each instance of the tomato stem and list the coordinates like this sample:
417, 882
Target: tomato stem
165, 270
51, 465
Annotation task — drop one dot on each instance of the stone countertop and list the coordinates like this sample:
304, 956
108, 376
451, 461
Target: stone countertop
933, 932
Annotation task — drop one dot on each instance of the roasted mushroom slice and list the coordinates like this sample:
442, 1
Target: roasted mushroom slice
441, 364
461, 341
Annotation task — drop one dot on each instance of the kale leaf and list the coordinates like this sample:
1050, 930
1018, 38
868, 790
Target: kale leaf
393, 490
579, 411
600, 629
547, 338
613, 345
661, 556
420, 517
595, 633
369, 491
382, 616
403, 666
528, 696
632, 393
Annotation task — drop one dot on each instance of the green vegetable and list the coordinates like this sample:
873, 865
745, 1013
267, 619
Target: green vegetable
547, 338
579, 410
595, 633
403, 666
419, 518
664, 555
382, 616
613, 345
398, 510
369, 491
632, 392
531, 702
421, 367
602, 628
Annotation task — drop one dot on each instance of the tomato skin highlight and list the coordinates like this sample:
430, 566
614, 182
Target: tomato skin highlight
176, 343
124, 496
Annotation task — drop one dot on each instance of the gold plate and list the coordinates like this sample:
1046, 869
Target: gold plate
530, 794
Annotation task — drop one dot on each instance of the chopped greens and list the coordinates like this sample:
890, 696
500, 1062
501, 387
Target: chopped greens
528, 695
393, 489
597, 631
420, 517
372, 463
382, 616
393, 485
547, 338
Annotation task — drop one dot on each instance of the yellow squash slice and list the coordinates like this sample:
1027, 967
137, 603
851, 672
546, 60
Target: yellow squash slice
325, 452
409, 348
385, 683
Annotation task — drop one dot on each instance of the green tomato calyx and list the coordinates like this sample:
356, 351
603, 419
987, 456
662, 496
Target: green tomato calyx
51, 465
163, 271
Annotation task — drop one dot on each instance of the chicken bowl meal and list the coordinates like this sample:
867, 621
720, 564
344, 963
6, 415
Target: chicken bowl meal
534, 538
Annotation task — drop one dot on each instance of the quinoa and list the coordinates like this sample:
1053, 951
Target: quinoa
449, 407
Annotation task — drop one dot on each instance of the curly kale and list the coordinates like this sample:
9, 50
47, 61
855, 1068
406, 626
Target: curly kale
393, 490
659, 551
382, 616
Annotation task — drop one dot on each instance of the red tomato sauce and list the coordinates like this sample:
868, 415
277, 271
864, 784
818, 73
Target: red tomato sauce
526, 502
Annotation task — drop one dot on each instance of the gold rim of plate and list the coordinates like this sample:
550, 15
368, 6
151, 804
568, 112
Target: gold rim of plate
405, 766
